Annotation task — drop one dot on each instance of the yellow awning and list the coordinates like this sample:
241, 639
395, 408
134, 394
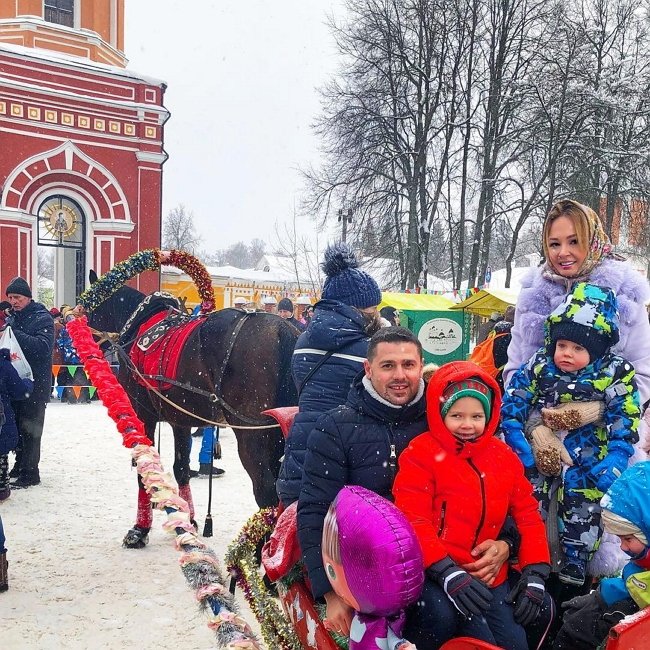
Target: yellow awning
486, 301
415, 301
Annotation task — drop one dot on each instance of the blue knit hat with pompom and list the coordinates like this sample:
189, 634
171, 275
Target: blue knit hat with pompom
346, 282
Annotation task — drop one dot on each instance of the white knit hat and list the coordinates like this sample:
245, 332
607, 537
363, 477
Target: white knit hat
617, 525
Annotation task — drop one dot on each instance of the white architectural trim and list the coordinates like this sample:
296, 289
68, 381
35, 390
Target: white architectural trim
77, 14
151, 156
112, 225
113, 27
87, 202
75, 97
17, 216
69, 149
38, 23
99, 240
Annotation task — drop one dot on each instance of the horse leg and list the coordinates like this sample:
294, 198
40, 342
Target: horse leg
138, 536
259, 452
182, 449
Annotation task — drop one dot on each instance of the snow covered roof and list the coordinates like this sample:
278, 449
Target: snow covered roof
69, 60
498, 279
246, 275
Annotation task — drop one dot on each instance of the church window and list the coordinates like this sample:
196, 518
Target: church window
60, 12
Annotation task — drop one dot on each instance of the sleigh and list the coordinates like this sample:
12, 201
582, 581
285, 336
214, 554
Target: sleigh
296, 623
281, 563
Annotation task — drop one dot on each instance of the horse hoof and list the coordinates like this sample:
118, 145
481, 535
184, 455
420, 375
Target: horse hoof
136, 538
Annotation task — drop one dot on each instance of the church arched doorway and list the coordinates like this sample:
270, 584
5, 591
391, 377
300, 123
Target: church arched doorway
62, 225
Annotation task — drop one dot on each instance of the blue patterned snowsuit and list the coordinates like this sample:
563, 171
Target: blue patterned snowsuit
540, 383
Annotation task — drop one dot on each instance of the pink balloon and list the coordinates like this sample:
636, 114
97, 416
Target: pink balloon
380, 557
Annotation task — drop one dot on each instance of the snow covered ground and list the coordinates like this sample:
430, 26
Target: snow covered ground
71, 584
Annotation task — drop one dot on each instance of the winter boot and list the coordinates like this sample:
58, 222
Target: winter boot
5, 490
4, 579
204, 472
574, 571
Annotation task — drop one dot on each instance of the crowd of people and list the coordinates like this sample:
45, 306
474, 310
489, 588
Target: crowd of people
510, 474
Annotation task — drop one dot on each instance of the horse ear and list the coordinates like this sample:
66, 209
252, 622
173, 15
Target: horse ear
92, 276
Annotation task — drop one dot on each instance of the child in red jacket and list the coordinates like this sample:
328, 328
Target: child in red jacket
456, 484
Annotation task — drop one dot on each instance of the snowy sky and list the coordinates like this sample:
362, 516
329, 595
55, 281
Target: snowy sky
242, 79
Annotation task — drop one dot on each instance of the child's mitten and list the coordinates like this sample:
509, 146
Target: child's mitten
549, 451
573, 415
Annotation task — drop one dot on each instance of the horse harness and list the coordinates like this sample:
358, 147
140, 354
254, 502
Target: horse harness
213, 397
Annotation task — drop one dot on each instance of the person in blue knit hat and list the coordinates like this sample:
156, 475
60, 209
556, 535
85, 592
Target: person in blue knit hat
329, 354
625, 513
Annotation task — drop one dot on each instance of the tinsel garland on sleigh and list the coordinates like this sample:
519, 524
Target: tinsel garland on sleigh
241, 561
199, 563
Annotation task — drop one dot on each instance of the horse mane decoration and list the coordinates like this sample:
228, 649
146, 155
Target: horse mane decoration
198, 562
374, 563
150, 260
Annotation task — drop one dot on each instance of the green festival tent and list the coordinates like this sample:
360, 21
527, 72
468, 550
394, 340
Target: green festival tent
444, 334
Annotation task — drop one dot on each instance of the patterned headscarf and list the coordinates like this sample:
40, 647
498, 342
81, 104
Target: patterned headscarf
598, 245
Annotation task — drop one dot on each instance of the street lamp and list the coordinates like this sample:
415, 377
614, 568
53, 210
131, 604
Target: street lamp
344, 219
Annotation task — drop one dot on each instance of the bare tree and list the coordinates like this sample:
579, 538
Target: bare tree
302, 254
454, 125
239, 254
45, 263
178, 230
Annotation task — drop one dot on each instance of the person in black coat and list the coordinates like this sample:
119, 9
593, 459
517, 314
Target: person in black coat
33, 327
12, 388
328, 355
285, 311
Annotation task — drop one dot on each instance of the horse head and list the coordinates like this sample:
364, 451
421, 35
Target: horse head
110, 315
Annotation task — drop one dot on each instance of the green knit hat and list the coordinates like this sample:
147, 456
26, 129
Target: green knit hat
466, 388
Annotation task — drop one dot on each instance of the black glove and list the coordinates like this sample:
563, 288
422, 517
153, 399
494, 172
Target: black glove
579, 602
468, 595
528, 594
5, 354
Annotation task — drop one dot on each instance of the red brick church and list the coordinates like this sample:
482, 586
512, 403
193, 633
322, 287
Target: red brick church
82, 143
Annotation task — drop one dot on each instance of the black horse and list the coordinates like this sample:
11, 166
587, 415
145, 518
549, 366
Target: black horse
233, 366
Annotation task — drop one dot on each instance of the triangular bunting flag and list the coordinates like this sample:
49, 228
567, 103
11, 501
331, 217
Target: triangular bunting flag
92, 390
59, 390
72, 370
76, 390
55, 370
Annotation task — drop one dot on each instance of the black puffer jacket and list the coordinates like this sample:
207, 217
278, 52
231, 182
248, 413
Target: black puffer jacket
338, 328
355, 444
34, 330
12, 388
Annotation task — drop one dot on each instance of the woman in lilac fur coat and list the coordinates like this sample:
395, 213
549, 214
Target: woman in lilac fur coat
577, 249
583, 255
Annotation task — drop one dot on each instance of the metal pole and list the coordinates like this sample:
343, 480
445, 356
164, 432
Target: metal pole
345, 218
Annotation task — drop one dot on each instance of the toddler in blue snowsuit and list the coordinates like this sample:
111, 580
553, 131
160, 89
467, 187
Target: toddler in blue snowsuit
575, 365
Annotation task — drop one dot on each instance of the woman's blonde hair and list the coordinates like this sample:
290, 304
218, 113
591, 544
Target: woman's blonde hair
581, 217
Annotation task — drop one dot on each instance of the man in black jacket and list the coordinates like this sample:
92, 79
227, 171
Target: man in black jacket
358, 444
33, 326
